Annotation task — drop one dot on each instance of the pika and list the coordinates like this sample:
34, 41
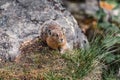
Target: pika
54, 35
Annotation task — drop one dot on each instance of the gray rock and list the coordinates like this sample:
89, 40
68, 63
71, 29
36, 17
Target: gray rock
20, 21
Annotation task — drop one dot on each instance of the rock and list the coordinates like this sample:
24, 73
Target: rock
20, 21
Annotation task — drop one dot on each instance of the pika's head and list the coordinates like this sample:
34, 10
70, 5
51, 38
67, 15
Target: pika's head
57, 34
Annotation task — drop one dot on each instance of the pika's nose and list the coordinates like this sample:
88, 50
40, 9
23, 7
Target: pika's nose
61, 40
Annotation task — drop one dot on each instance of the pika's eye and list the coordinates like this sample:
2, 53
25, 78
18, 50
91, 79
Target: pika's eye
49, 32
56, 35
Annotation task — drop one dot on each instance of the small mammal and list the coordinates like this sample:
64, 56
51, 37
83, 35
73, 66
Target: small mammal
54, 36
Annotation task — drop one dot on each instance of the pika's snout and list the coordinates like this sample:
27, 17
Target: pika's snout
61, 40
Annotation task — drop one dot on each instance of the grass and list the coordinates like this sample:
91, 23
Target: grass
38, 62
43, 63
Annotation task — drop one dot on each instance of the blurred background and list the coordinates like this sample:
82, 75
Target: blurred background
89, 12
100, 18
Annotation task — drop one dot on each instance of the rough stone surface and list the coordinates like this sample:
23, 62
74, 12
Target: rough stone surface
20, 21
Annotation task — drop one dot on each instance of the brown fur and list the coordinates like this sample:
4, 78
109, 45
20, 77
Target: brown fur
54, 36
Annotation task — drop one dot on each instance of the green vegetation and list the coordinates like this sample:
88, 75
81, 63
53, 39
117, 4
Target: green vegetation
73, 65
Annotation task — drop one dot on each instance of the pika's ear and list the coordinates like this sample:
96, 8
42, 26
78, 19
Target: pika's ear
64, 30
